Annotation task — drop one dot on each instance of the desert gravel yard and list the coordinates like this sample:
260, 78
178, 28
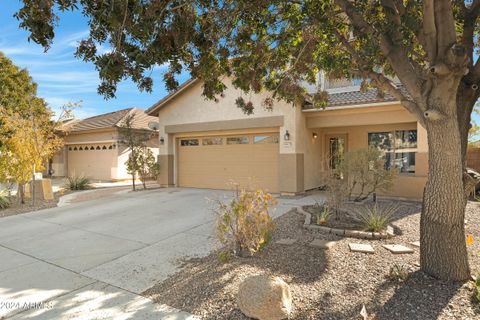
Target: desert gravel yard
329, 284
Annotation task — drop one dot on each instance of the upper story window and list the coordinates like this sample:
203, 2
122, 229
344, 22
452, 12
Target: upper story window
399, 148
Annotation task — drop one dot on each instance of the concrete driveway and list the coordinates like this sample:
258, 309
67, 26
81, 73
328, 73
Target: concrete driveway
91, 260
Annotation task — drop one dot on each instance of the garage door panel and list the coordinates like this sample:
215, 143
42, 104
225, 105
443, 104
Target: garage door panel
217, 166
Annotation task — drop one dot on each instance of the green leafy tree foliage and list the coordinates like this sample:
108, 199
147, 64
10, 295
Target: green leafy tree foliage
276, 44
142, 163
139, 158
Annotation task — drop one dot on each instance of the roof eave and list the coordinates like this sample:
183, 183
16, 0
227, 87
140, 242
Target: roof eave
354, 106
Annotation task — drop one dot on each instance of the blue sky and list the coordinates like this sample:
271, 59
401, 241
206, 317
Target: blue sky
60, 76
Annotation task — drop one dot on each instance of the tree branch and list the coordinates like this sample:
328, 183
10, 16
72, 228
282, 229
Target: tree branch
429, 35
445, 26
395, 54
381, 80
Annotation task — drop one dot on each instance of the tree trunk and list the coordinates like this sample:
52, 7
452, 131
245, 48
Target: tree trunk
21, 193
443, 252
133, 181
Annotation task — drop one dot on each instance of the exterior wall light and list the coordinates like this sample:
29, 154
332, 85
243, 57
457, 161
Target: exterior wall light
162, 141
315, 135
286, 136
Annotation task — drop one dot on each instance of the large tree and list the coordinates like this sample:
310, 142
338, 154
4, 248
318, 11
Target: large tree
27, 132
276, 44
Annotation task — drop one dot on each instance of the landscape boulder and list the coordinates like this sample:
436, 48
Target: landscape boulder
265, 297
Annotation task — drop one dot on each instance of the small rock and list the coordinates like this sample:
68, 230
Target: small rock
286, 241
415, 244
265, 297
323, 244
358, 247
397, 248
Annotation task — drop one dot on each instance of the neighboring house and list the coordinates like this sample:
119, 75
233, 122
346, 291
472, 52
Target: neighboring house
207, 144
94, 148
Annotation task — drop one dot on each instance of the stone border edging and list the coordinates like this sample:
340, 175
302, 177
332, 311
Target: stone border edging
343, 232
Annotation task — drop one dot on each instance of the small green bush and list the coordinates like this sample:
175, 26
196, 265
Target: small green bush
224, 256
397, 273
5, 200
375, 218
77, 183
244, 225
476, 289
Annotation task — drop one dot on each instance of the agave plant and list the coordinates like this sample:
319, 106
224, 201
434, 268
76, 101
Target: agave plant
375, 218
77, 183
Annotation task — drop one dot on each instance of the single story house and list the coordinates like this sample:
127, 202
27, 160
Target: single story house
208, 144
94, 146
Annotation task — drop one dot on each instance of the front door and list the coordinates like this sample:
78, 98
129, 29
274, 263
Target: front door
336, 148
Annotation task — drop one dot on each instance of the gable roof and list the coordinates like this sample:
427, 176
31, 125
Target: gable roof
113, 119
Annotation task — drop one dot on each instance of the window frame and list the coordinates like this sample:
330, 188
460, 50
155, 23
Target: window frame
393, 150
189, 139
237, 137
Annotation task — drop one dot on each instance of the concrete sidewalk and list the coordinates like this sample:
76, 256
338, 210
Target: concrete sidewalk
92, 260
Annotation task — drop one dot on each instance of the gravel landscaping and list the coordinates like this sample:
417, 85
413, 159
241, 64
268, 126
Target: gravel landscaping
329, 284
17, 208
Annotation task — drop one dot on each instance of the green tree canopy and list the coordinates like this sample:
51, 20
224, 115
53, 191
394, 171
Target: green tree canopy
276, 44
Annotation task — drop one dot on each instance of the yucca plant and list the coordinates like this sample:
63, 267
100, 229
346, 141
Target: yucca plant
4, 199
375, 218
78, 183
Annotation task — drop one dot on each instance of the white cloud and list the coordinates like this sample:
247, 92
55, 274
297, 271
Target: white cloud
55, 103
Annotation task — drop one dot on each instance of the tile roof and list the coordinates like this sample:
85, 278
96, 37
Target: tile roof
357, 97
112, 120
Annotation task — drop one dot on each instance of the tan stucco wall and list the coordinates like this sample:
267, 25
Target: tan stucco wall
97, 164
190, 114
189, 109
408, 186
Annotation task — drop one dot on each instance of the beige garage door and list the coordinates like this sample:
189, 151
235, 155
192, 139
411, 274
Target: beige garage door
95, 161
214, 162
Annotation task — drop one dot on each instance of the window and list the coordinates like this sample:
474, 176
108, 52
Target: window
265, 139
188, 142
212, 141
237, 140
399, 148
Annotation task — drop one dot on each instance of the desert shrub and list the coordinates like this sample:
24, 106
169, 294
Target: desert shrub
244, 225
5, 200
373, 217
323, 216
365, 173
75, 182
336, 189
476, 289
397, 273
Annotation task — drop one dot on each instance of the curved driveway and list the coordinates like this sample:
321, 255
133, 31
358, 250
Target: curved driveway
92, 260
